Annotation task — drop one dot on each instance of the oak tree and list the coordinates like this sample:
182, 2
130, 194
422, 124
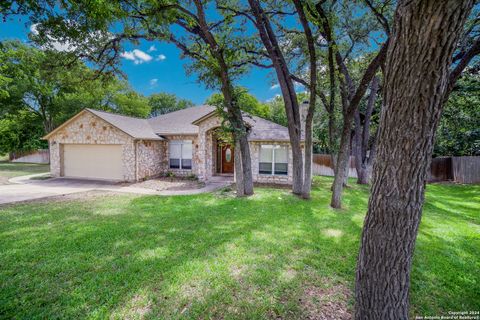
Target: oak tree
418, 78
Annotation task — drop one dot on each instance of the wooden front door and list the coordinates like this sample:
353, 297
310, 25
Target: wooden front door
227, 159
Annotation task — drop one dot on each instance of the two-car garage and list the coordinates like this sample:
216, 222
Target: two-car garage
101, 161
99, 145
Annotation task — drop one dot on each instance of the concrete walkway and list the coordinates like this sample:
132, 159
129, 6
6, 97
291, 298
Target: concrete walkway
23, 188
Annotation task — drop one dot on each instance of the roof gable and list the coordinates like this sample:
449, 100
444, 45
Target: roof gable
134, 127
260, 129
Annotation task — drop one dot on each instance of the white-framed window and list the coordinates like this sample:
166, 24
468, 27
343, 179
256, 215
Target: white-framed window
180, 153
273, 160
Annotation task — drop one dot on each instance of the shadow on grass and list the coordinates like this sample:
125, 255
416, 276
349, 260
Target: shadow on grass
207, 256
171, 257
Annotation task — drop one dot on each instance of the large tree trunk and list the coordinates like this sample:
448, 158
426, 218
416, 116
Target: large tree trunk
416, 80
239, 171
246, 165
234, 114
240, 136
269, 39
307, 179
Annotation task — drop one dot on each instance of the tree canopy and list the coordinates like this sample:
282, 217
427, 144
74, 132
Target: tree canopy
247, 102
161, 103
458, 133
40, 94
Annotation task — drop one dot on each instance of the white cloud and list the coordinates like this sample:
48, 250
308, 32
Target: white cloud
33, 28
161, 57
66, 46
273, 98
275, 86
137, 56
152, 48
129, 55
153, 82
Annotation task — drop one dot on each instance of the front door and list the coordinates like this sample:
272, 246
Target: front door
227, 159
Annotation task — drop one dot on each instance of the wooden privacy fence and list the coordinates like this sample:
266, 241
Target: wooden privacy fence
440, 170
466, 169
457, 169
322, 166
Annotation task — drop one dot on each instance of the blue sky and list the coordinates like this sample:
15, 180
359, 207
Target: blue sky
156, 67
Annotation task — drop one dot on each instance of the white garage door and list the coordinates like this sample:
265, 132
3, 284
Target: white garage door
92, 161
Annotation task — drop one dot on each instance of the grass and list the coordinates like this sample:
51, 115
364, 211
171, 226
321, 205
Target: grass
12, 169
215, 256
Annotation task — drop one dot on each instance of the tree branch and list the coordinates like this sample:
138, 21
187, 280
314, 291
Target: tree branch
380, 17
462, 64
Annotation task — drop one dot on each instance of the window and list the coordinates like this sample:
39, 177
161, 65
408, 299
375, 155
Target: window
228, 154
273, 160
180, 154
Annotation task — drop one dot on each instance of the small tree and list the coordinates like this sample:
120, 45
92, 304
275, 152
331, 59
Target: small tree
364, 148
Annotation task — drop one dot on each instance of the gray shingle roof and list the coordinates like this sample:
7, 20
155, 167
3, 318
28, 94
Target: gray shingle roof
264, 130
135, 127
179, 122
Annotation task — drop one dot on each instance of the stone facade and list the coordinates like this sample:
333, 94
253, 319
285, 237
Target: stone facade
150, 158
147, 158
207, 152
195, 156
207, 155
90, 129
268, 178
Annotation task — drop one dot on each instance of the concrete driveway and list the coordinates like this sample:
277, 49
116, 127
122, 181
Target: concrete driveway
24, 189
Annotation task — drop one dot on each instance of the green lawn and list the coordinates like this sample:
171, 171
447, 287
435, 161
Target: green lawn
215, 256
10, 169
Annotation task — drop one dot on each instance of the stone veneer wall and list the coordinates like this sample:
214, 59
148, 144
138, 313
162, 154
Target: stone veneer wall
267, 178
153, 156
206, 155
150, 158
90, 129
196, 161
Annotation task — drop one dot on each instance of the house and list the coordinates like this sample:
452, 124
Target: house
100, 145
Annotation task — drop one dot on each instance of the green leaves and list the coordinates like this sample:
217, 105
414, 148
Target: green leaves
161, 103
40, 89
458, 133
21, 132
